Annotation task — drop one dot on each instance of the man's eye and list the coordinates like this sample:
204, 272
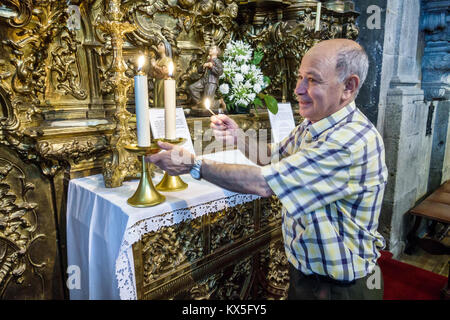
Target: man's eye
311, 80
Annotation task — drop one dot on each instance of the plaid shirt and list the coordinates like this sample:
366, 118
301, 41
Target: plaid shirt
330, 177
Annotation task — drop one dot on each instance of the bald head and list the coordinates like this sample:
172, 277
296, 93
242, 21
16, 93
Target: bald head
335, 45
348, 56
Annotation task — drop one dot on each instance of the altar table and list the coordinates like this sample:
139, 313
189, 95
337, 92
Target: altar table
102, 227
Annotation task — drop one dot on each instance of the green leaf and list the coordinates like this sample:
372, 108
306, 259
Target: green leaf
267, 80
258, 102
271, 103
257, 57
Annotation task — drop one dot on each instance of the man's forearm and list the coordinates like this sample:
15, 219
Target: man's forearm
237, 178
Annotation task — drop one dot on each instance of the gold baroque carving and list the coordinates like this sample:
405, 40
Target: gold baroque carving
229, 225
234, 286
170, 247
119, 164
18, 223
206, 288
76, 150
17, 12
210, 20
274, 271
232, 283
28, 49
64, 64
270, 211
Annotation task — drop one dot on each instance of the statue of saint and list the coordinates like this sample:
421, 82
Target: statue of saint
160, 72
206, 86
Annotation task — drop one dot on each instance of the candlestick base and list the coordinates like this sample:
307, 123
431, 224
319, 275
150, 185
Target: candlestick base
171, 183
146, 194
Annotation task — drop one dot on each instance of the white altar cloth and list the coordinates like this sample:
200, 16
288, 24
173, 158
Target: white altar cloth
102, 227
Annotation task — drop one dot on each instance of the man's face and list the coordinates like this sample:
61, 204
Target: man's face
318, 89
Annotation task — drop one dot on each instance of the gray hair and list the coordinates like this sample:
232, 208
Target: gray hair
352, 61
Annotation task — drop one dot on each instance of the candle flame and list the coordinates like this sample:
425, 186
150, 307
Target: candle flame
141, 62
170, 67
208, 105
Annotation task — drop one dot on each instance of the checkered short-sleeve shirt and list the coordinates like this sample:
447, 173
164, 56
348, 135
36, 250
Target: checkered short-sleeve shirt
330, 177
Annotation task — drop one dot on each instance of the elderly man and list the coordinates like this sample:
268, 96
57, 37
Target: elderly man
329, 174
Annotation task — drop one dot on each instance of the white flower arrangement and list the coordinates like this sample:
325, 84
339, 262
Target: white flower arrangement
242, 81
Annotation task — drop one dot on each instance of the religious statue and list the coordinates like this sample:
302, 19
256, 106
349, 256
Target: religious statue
206, 86
160, 71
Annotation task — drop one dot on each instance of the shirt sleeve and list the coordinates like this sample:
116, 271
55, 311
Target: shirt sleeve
311, 178
284, 147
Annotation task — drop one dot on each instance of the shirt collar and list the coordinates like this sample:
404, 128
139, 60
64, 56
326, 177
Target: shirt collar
315, 129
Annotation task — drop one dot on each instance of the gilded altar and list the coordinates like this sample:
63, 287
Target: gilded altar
67, 106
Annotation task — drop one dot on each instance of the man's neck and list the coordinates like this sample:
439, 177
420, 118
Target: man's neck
343, 105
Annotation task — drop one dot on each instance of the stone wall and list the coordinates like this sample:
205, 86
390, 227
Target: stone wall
411, 93
370, 23
435, 25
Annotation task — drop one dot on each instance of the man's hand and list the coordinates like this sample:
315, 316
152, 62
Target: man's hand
224, 128
174, 160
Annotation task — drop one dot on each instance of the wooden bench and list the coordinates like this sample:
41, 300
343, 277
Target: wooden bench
436, 207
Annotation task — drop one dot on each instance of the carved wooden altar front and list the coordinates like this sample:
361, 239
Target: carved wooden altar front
67, 105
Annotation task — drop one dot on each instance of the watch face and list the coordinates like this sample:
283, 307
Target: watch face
195, 174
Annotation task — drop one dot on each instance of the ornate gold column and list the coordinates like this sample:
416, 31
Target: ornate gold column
120, 163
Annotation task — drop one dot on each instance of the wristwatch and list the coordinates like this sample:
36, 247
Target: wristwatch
195, 171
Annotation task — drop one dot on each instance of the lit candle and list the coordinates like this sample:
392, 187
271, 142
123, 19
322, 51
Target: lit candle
141, 101
208, 106
319, 8
170, 104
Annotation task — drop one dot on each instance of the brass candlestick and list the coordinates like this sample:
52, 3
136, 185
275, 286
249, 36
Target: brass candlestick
146, 194
168, 182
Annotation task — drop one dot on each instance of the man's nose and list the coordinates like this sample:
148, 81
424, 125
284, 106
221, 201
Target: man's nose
301, 87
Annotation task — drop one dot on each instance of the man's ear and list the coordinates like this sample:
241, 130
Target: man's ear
351, 86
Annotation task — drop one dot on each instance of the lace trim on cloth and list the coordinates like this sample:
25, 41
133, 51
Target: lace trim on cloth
125, 267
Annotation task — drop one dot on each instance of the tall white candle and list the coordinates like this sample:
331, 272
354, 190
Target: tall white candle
318, 12
141, 101
170, 105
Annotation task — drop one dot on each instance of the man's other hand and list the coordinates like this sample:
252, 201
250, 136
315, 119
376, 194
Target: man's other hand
173, 159
224, 128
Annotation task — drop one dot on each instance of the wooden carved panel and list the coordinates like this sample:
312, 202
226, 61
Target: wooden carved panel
171, 247
230, 225
29, 256
222, 255
273, 274
270, 211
